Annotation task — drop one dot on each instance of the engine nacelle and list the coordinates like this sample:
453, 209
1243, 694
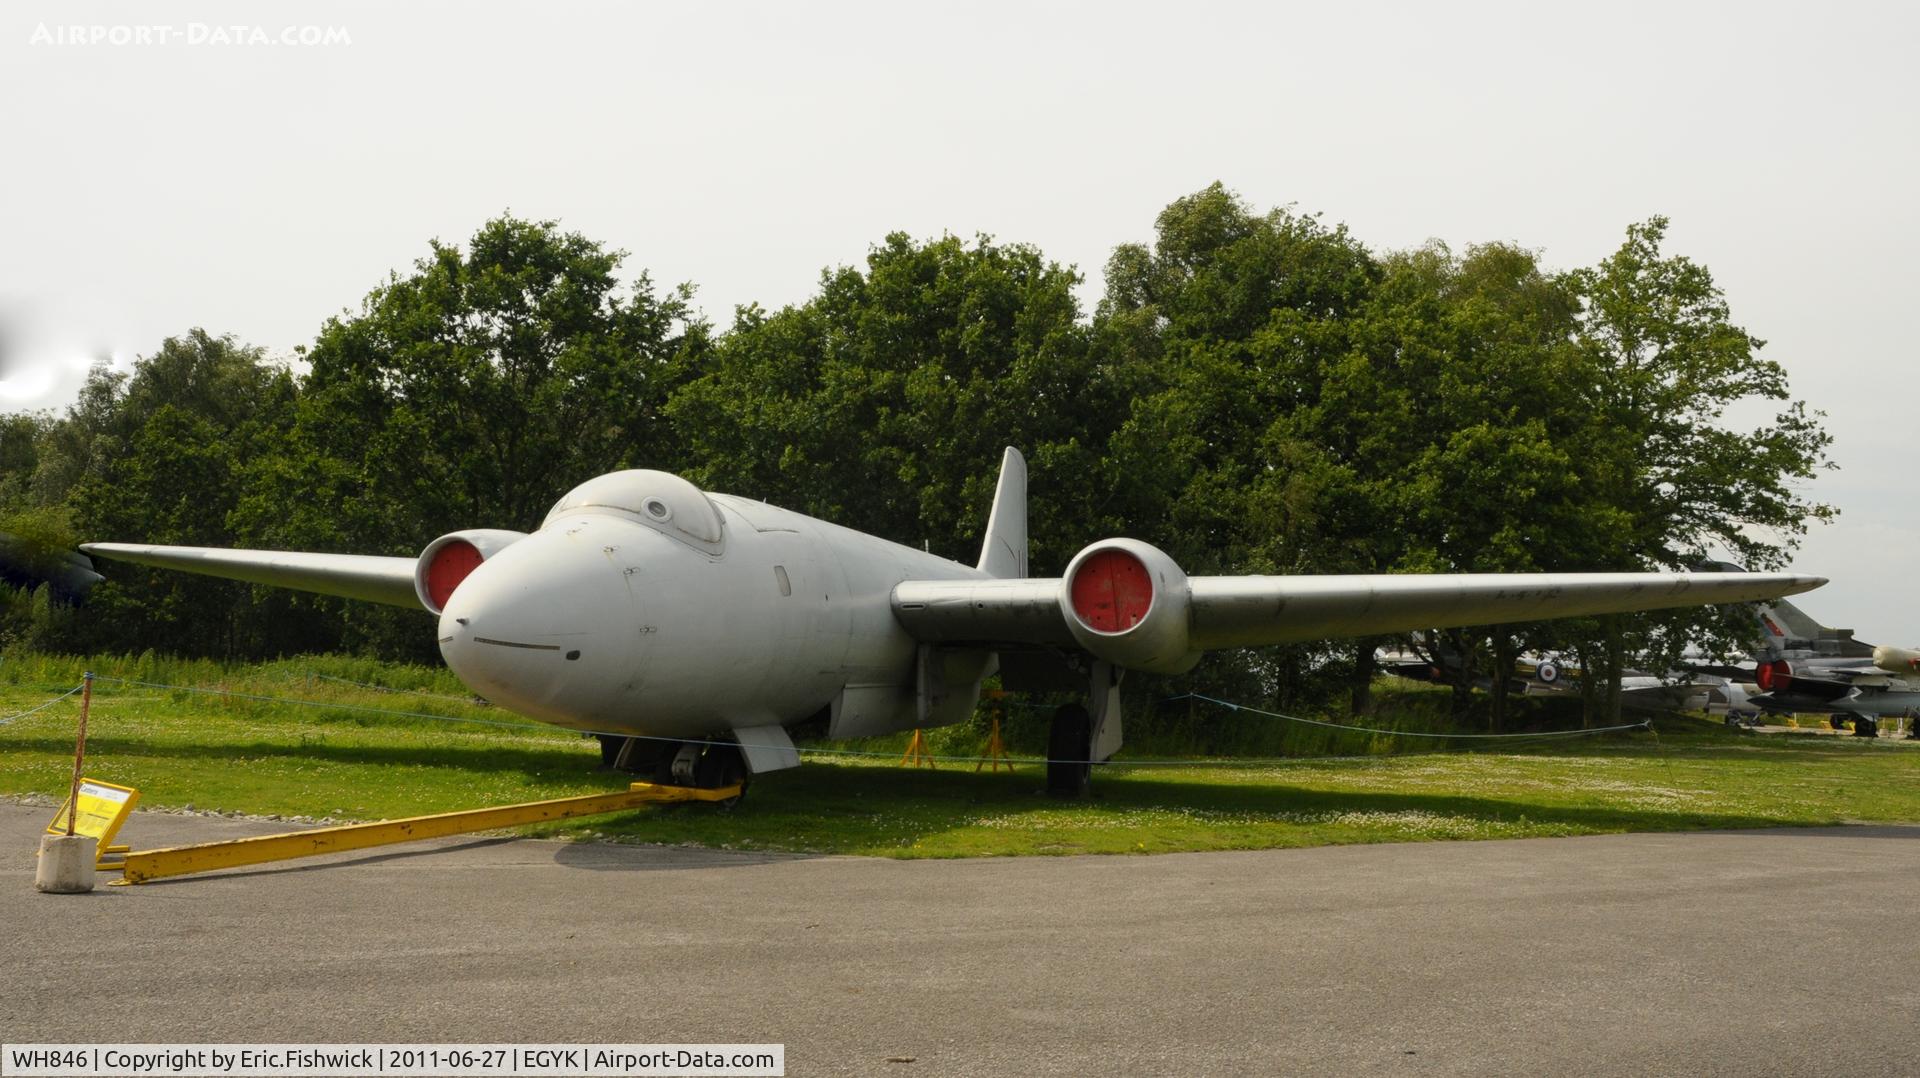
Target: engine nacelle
1128, 604
448, 559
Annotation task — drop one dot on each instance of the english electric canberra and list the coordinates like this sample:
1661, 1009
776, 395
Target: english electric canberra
690, 629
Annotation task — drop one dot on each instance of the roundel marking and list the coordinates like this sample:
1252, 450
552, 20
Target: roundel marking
1548, 672
450, 565
1112, 591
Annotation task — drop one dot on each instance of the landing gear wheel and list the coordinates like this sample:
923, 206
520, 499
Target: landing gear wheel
1866, 726
720, 765
1069, 749
645, 758
697, 765
1836, 722
609, 750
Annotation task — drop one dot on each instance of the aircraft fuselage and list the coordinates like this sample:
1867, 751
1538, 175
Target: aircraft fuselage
606, 621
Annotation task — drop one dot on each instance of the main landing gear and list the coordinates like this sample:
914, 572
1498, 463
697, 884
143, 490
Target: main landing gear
1070, 752
700, 764
1084, 734
1863, 725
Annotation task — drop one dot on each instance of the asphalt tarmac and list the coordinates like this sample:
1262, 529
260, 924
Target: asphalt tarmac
1748, 953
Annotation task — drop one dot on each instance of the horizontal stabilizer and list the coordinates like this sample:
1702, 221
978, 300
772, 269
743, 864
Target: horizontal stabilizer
350, 576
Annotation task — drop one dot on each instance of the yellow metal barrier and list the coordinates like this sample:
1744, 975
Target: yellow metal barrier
141, 866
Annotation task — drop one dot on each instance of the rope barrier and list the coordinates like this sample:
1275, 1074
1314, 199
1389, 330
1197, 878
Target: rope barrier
42, 707
388, 688
323, 703
864, 753
1645, 724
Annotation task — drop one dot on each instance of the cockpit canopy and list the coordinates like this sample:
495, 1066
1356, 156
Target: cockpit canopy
659, 500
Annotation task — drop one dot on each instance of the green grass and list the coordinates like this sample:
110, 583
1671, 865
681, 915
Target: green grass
229, 754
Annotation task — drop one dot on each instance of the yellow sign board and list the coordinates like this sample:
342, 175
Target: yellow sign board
103, 808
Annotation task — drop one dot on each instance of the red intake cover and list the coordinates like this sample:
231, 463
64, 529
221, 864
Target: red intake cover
1112, 591
450, 565
1773, 675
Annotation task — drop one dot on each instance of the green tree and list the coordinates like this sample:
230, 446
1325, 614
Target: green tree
161, 458
1672, 479
473, 392
883, 402
20, 435
1472, 453
1226, 331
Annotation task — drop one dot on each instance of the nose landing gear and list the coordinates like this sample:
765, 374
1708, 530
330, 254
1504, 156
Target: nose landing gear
703, 765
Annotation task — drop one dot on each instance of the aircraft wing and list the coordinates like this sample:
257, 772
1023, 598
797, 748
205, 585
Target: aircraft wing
1248, 611
350, 576
1255, 610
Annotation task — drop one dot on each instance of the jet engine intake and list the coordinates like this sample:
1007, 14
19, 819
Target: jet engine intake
1773, 676
1127, 603
448, 559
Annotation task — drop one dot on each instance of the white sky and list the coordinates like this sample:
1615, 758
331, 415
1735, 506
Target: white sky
257, 188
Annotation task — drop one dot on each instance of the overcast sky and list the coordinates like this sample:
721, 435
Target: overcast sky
255, 168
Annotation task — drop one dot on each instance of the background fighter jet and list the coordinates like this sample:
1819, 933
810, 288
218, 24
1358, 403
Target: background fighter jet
699, 626
1805, 667
69, 575
1555, 675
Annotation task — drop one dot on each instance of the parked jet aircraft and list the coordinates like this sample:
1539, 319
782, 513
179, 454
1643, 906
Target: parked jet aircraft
699, 626
1535, 674
1805, 667
70, 579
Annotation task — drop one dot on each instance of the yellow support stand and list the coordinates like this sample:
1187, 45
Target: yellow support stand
917, 752
144, 865
996, 751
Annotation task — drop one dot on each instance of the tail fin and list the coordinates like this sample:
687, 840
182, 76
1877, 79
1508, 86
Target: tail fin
1004, 554
1786, 631
1775, 641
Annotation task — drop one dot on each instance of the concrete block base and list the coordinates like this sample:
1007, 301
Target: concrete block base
66, 864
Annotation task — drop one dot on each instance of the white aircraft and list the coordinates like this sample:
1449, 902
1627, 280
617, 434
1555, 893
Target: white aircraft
699, 626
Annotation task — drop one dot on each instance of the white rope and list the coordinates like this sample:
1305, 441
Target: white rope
41, 707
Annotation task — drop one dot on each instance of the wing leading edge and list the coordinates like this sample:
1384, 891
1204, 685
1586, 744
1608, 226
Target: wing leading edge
350, 576
1250, 611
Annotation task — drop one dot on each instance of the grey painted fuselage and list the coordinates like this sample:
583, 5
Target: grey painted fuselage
602, 621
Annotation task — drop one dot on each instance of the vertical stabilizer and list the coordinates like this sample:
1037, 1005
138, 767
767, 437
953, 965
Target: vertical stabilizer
1004, 554
1789, 632
1775, 642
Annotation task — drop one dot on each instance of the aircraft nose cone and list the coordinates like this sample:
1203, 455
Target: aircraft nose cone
533, 629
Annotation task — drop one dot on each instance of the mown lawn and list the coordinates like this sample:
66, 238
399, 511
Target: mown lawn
276, 758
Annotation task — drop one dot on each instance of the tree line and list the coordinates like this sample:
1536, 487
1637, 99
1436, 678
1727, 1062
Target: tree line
1254, 392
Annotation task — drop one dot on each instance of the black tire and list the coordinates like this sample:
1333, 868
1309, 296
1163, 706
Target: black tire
609, 749
1835, 722
1069, 749
720, 765
648, 759
1866, 726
